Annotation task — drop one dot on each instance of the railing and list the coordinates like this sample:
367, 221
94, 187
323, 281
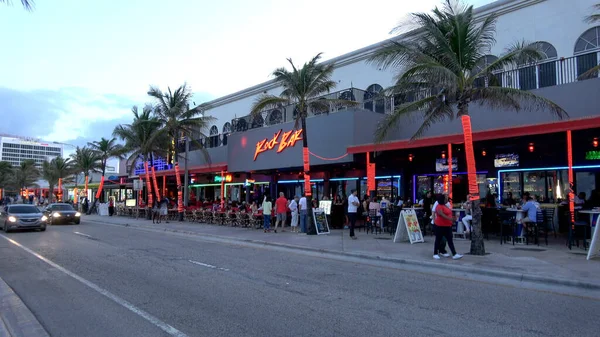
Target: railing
288, 113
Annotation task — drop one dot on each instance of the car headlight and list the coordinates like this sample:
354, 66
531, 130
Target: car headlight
56, 215
77, 214
12, 219
44, 218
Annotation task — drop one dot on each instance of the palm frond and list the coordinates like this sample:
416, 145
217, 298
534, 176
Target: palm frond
27, 4
391, 121
592, 18
265, 102
592, 73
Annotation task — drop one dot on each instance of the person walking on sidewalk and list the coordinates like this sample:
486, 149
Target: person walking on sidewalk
294, 209
353, 204
303, 205
281, 207
443, 228
267, 208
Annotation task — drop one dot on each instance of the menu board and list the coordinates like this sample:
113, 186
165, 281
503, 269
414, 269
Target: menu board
320, 220
408, 220
594, 249
326, 206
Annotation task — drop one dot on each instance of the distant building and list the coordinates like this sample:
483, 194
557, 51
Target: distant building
15, 150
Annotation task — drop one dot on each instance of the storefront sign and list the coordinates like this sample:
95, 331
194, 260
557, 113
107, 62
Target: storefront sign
226, 178
288, 139
592, 155
408, 220
320, 221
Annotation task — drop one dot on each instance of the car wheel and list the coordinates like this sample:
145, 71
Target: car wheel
43, 229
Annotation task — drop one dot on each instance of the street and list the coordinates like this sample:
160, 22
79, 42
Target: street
101, 280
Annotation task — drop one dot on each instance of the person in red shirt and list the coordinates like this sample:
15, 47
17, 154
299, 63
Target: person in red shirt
443, 228
281, 206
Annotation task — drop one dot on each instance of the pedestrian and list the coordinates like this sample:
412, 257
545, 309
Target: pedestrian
303, 205
156, 213
281, 207
353, 204
294, 209
164, 210
267, 208
111, 206
442, 246
443, 228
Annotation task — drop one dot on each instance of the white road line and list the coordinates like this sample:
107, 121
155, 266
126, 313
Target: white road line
207, 265
157, 322
87, 236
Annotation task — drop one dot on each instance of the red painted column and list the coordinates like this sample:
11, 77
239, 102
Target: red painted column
222, 190
570, 166
450, 163
148, 185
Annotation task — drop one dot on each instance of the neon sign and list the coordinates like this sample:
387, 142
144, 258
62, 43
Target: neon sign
226, 178
288, 139
592, 155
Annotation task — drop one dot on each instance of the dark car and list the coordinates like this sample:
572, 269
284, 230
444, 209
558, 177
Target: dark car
62, 213
22, 217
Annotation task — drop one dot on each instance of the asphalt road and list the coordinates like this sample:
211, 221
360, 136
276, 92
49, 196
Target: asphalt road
118, 281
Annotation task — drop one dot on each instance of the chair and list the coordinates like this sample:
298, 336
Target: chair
577, 230
549, 219
371, 221
534, 228
507, 219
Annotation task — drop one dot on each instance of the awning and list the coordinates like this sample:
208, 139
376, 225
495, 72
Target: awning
213, 168
526, 130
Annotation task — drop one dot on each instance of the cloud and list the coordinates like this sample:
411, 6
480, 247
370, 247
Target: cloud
69, 115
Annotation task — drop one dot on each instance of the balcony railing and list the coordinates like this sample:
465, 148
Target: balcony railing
288, 113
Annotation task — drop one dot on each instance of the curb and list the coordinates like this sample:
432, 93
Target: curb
16, 320
431, 266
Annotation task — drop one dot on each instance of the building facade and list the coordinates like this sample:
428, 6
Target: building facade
516, 152
15, 150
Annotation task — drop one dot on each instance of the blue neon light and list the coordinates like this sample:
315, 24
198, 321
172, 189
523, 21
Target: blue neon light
299, 181
342, 179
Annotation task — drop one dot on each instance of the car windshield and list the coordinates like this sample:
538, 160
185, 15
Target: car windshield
62, 208
23, 210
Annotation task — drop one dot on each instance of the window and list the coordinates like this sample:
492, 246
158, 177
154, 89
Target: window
227, 128
586, 48
370, 95
214, 130
539, 75
483, 63
257, 122
275, 117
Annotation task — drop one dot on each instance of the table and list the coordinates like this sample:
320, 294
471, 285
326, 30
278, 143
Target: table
518, 217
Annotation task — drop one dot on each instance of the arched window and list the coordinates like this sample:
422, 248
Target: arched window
257, 122
214, 130
227, 127
372, 94
241, 125
213, 139
275, 117
539, 73
586, 48
482, 64
346, 95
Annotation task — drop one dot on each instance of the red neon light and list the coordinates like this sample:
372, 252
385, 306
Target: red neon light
450, 163
148, 185
570, 165
179, 189
288, 139
471, 169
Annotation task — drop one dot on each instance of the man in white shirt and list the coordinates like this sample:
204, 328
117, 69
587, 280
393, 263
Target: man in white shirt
294, 209
353, 204
303, 213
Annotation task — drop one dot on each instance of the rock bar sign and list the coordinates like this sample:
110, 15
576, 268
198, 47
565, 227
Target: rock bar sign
287, 139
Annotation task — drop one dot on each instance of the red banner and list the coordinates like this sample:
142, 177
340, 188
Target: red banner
306, 162
370, 174
60, 192
148, 185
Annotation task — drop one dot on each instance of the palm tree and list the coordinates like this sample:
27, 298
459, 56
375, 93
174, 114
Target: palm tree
27, 4
178, 121
49, 174
105, 149
86, 161
63, 168
25, 175
143, 139
6, 173
443, 61
592, 18
304, 87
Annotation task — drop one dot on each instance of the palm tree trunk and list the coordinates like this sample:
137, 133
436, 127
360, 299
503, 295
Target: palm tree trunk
148, 190
307, 187
178, 178
477, 244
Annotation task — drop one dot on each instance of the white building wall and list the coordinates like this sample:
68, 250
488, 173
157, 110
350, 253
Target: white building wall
558, 22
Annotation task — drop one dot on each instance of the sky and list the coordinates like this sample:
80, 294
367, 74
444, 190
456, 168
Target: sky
71, 70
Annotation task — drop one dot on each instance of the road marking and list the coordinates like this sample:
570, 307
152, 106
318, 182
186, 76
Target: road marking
157, 322
87, 236
207, 265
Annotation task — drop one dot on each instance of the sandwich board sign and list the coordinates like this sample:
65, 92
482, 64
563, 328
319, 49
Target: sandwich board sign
594, 249
320, 220
408, 228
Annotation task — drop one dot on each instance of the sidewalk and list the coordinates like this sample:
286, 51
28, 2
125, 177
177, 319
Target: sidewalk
16, 320
552, 264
